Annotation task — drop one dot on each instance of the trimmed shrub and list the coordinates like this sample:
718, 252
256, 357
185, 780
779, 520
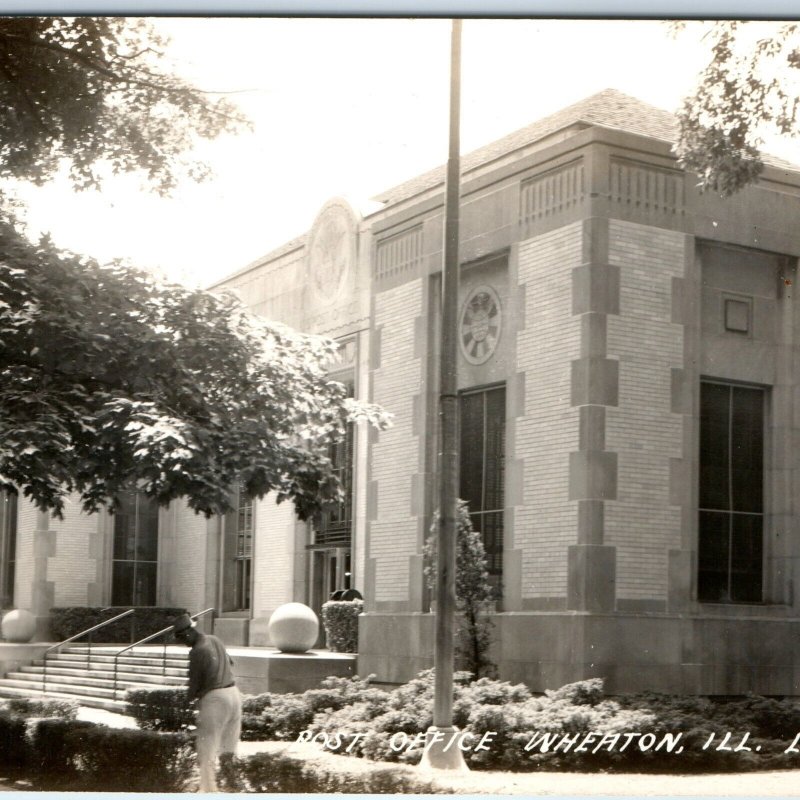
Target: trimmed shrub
31, 707
340, 618
126, 760
283, 717
52, 753
574, 728
281, 772
80, 755
160, 709
14, 747
68, 620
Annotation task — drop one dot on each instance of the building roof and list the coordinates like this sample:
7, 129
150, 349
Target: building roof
609, 109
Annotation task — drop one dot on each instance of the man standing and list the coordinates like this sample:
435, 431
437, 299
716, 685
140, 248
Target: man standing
211, 684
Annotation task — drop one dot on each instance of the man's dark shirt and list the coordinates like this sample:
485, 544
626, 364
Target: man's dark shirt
209, 666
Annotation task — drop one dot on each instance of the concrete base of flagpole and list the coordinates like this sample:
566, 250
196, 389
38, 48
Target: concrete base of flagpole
443, 752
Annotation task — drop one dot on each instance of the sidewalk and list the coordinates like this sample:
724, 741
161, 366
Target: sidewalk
746, 784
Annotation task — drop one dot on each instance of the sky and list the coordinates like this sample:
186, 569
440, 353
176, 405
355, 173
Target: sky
349, 108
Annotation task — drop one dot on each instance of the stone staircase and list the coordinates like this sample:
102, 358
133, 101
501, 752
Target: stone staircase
76, 673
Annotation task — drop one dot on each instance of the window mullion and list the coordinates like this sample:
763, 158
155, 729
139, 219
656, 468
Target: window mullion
485, 415
730, 493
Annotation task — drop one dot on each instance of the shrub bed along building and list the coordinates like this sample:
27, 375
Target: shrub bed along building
575, 728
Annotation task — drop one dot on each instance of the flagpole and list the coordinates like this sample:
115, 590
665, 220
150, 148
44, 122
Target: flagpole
440, 751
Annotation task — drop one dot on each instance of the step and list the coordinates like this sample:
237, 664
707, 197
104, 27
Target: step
93, 702
67, 685
99, 674
114, 649
176, 655
105, 666
98, 659
76, 691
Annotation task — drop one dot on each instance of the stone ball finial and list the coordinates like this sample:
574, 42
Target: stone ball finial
18, 626
293, 628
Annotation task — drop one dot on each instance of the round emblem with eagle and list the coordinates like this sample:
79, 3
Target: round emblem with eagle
481, 320
331, 249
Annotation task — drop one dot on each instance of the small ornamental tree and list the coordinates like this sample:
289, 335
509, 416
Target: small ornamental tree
473, 592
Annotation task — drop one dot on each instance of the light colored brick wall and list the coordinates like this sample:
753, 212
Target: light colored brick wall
23, 577
361, 475
273, 556
546, 523
189, 574
642, 430
395, 457
71, 568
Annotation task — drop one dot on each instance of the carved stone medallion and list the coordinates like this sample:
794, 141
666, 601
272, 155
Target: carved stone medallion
481, 322
331, 250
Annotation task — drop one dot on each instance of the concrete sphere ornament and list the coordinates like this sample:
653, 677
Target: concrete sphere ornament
18, 626
293, 628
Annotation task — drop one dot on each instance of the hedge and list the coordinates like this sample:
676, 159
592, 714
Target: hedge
283, 772
575, 728
68, 620
32, 707
282, 717
13, 742
124, 759
563, 729
160, 709
57, 753
265, 717
340, 618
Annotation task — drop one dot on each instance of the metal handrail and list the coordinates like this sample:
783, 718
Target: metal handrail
148, 639
89, 632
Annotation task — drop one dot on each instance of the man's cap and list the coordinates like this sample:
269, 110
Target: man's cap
183, 622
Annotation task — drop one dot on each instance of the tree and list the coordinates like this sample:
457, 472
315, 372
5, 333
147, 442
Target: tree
749, 88
93, 93
108, 378
473, 592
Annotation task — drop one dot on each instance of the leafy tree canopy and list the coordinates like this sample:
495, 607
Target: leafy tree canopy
93, 92
108, 377
749, 88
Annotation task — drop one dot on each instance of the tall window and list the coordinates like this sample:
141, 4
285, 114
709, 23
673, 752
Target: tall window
244, 551
731, 523
483, 438
135, 556
335, 526
8, 547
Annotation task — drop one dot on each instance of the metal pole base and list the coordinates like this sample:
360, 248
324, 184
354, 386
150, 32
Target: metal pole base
442, 751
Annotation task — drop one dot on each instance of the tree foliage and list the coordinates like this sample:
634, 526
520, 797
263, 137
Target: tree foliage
749, 88
109, 378
94, 93
473, 591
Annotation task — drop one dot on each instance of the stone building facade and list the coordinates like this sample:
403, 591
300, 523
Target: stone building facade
628, 374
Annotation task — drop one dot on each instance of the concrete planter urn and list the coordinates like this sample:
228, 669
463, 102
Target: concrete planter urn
293, 628
18, 626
